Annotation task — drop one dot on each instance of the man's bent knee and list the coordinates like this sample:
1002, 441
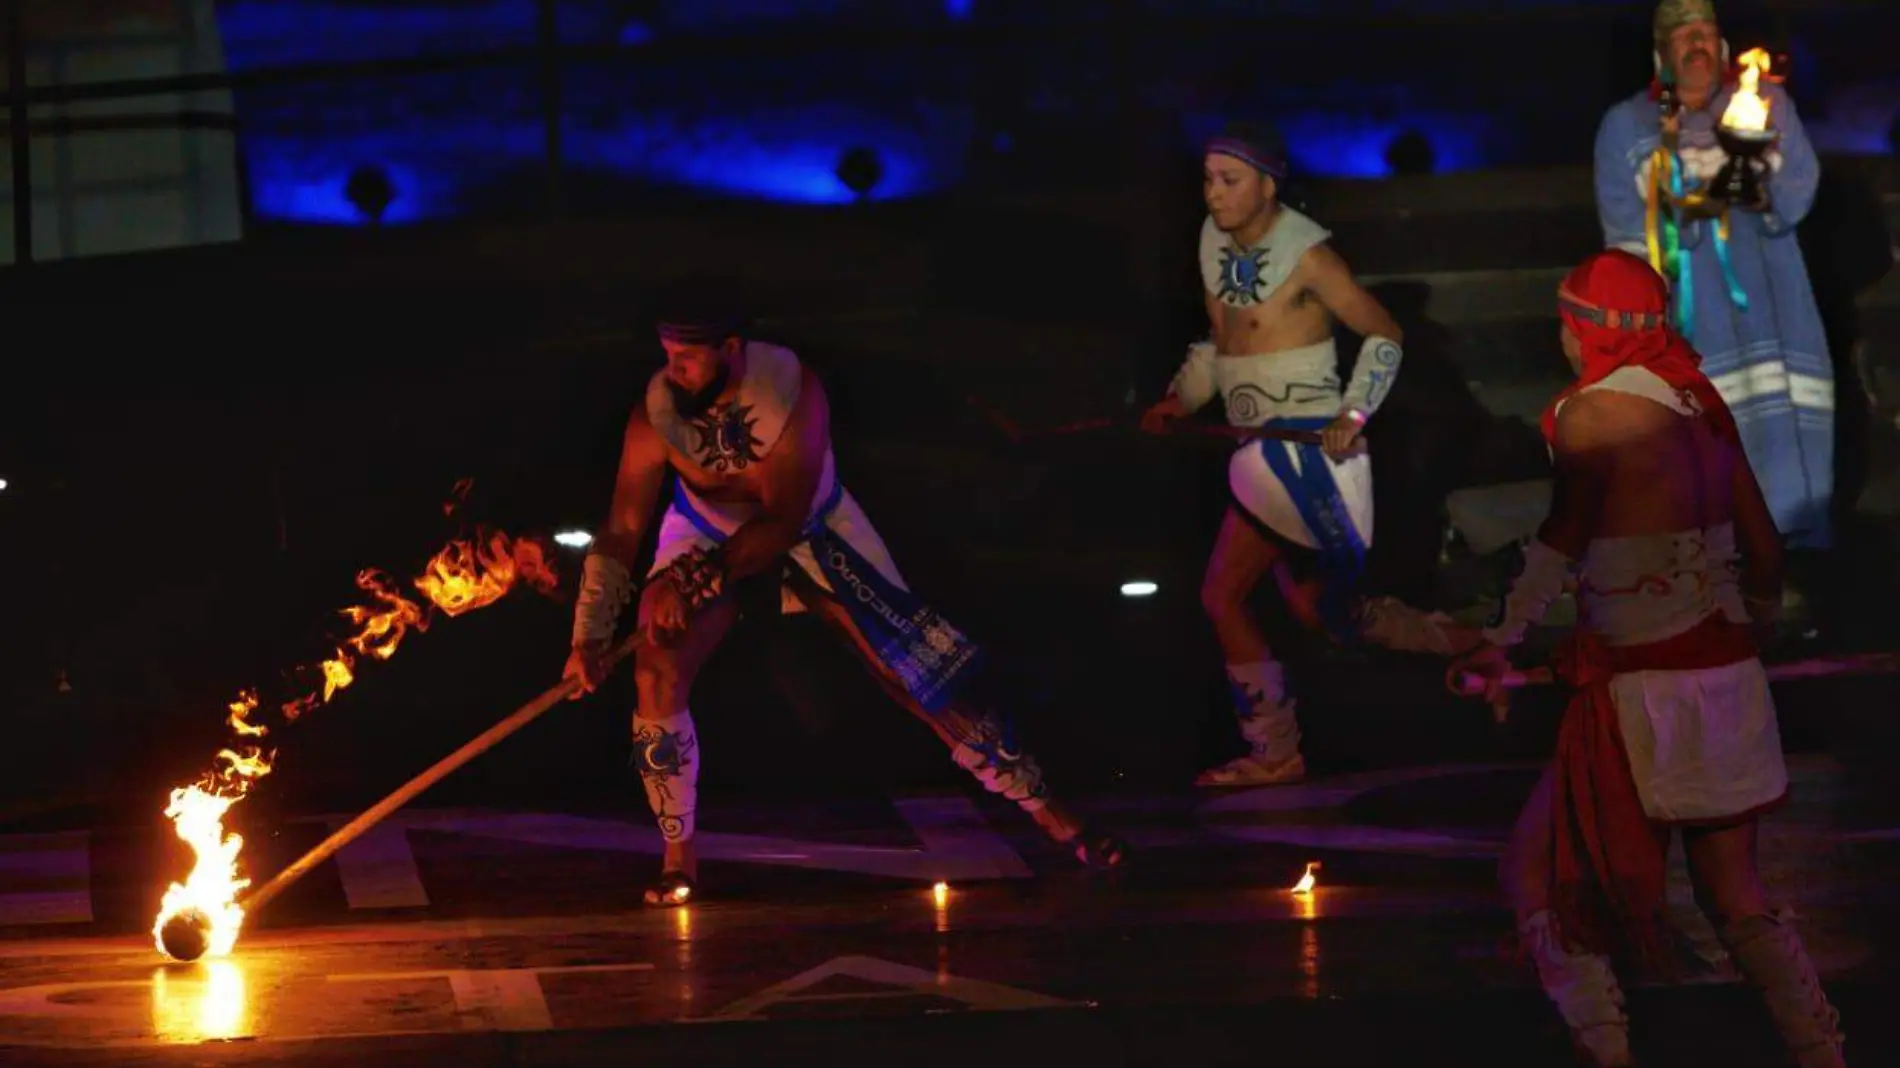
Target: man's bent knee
658, 677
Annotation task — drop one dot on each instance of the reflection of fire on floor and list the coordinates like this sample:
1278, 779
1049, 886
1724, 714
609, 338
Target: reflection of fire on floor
525, 923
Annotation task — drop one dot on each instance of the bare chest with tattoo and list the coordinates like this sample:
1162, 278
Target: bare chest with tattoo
1292, 317
729, 487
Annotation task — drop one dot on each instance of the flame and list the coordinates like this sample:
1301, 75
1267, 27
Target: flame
1747, 109
379, 630
465, 575
240, 710
1307, 882
197, 814
471, 574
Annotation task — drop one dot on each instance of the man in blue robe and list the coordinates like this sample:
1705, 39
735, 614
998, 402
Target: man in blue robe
1740, 289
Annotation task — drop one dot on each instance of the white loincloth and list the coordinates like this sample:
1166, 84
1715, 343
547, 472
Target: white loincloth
1703, 745
1293, 384
678, 534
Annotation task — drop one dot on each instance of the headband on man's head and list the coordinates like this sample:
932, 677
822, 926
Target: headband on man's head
1612, 318
698, 331
1257, 147
699, 310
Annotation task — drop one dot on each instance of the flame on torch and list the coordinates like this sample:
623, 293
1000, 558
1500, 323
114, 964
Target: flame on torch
211, 890
1748, 109
464, 576
471, 574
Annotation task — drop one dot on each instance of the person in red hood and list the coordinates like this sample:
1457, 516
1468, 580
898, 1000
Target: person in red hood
1658, 523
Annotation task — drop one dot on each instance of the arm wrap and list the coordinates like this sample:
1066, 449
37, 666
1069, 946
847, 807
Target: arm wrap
1372, 375
1539, 581
606, 587
698, 575
1194, 382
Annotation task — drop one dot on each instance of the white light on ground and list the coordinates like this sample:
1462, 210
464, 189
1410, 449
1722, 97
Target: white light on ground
1139, 588
574, 539
3, 483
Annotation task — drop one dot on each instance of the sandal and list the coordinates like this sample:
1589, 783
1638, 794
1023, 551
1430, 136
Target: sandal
674, 888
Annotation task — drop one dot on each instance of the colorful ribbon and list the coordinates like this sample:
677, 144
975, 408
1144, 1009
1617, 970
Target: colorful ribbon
1663, 233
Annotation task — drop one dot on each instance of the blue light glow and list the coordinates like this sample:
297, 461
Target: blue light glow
444, 138
959, 9
785, 154
1343, 144
300, 180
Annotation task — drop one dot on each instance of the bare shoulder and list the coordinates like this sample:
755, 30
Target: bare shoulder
1323, 261
642, 437
809, 425
1601, 419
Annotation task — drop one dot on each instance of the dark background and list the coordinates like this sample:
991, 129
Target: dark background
204, 445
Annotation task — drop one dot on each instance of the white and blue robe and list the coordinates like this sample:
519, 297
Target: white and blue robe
1753, 318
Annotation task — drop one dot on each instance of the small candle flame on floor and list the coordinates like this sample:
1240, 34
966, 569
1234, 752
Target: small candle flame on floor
1307, 882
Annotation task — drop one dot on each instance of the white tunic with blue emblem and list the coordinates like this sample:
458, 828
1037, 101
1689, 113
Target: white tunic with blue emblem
734, 436
1257, 388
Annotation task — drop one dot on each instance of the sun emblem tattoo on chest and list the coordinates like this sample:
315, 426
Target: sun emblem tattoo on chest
723, 440
1243, 273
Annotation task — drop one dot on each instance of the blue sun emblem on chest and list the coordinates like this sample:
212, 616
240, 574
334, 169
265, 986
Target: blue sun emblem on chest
1243, 273
723, 438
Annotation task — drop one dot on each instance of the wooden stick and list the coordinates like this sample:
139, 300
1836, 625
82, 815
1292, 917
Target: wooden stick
1472, 684
480, 744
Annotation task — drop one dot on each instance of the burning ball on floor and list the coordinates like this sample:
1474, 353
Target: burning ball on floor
186, 936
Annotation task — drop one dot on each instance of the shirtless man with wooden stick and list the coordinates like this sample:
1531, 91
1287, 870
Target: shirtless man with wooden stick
745, 427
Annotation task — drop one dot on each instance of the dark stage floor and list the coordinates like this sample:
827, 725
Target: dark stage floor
484, 937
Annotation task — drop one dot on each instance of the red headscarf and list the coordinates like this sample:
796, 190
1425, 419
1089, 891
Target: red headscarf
1619, 309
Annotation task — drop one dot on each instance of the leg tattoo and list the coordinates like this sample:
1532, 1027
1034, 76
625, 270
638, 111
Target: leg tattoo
986, 750
666, 754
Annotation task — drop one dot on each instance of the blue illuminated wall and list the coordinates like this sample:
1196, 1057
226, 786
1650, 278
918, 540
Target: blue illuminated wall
461, 142
445, 142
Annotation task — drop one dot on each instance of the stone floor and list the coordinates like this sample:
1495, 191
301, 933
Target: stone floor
512, 938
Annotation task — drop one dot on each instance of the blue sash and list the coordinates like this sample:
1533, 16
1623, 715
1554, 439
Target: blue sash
1315, 494
929, 656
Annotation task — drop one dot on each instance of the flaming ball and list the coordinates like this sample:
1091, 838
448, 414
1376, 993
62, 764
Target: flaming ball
186, 936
